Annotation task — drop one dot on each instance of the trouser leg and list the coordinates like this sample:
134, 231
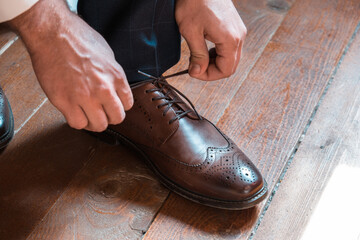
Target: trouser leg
142, 33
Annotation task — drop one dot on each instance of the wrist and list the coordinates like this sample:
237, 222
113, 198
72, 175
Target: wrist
42, 21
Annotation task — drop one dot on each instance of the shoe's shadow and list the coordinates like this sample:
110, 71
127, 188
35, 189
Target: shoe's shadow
65, 178
35, 168
184, 219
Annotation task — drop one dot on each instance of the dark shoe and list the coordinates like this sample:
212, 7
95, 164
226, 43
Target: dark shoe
188, 153
6, 121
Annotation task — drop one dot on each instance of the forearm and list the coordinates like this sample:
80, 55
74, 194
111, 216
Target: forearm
42, 22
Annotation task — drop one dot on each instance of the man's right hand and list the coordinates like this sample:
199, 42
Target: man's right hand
75, 66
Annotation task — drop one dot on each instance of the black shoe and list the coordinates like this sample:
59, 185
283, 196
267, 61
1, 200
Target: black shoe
6, 121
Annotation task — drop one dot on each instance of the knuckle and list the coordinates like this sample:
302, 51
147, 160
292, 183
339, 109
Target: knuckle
244, 32
120, 74
183, 29
104, 90
188, 32
237, 41
238, 38
120, 78
233, 40
127, 92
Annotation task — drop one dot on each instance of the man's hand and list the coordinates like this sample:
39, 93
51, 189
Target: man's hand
75, 66
218, 22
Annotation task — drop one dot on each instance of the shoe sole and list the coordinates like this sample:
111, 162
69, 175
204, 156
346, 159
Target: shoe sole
4, 141
114, 138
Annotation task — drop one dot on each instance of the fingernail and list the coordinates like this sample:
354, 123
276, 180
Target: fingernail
195, 69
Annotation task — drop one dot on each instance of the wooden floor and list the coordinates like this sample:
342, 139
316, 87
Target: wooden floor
292, 106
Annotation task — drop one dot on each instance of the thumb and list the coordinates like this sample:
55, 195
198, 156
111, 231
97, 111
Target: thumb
199, 55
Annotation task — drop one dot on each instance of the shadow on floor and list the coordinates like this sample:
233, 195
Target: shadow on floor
109, 189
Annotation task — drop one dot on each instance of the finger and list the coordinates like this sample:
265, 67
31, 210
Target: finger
226, 58
123, 91
97, 119
114, 110
199, 54
224, 63
126, 98
75, 117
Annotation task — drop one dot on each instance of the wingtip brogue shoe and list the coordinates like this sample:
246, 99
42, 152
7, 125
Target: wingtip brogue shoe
6, 121
188, 153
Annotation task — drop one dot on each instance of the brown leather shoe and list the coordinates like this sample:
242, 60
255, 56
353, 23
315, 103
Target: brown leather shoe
188, 153
6, 121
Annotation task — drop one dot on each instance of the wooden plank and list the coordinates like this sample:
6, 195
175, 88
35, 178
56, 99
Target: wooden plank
29, 195
270, 111
35, 169
19, 83
331, 141
123, 216
6, 37
114, 197
262, 19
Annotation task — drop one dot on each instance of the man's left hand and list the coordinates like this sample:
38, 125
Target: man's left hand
218, 22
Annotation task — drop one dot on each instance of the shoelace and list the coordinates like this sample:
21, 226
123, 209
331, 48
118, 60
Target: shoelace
161, 84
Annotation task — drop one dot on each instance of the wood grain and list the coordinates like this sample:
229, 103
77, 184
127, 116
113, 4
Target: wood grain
35, 169
81, 213
19, 82
270, 111
114, 197
332, 139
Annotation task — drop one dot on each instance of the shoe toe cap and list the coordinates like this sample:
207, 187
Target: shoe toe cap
233, 177
6, 121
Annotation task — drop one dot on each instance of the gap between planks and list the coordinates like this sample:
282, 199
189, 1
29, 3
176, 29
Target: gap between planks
8, 44
30, 116
301, 138
337, 123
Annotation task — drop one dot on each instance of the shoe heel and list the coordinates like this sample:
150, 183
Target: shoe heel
104, 137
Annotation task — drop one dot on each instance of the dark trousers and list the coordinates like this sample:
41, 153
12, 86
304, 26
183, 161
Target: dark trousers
142, 33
